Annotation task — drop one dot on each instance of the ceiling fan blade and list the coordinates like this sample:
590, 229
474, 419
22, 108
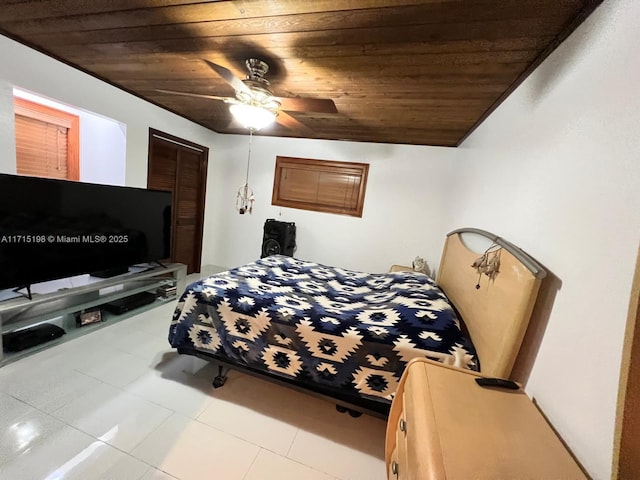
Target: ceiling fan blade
310, 105
291, 123
237, 84
198, 95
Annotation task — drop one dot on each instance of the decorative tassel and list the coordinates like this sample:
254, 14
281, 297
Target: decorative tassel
488, 263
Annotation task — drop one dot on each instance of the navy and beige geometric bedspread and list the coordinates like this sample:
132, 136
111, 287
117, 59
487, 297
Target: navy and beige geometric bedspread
326, 326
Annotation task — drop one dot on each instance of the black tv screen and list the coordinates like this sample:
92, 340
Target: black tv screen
51, 229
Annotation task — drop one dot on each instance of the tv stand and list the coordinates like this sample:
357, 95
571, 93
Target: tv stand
110, 272
91, 293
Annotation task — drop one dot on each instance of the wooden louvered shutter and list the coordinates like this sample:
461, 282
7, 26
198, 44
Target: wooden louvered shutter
320, 185
46, 141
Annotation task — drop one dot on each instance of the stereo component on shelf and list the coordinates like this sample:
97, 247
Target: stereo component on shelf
30, 337
126, 304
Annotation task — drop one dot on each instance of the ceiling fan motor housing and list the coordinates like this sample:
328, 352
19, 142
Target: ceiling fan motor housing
257, 69
261, 95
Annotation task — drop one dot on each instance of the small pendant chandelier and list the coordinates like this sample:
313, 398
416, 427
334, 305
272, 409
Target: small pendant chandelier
245, 198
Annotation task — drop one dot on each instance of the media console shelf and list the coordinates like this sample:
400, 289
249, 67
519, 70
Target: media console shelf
86, 292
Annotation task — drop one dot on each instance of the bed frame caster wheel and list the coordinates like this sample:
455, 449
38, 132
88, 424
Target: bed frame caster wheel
341, 409
219, 381
354, 414
221, 378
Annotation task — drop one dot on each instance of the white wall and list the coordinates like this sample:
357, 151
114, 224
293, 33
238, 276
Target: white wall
556, 170
7, 131
403, 210
103, 150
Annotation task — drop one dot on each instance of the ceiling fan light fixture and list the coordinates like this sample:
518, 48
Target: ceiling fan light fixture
252, 117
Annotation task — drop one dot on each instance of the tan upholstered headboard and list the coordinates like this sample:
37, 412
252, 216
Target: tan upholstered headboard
497, 314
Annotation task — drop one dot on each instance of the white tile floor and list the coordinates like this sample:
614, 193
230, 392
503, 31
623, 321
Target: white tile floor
119, 404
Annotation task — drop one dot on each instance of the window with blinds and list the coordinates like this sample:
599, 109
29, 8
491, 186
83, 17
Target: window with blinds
320, 185
47, 141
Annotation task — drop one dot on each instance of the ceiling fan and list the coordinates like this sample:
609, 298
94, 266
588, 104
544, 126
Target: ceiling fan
255, 104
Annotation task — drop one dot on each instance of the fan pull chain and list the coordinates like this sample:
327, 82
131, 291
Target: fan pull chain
246, 182
244, 197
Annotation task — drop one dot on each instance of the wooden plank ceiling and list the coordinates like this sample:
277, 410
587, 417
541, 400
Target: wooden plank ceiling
423, 72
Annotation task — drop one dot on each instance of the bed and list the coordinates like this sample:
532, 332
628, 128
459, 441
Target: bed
348, 335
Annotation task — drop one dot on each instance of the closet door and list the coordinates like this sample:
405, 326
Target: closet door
180, 166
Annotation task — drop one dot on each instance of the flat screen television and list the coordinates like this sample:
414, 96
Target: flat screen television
52, 229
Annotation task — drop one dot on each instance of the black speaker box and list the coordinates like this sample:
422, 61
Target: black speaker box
278, 238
